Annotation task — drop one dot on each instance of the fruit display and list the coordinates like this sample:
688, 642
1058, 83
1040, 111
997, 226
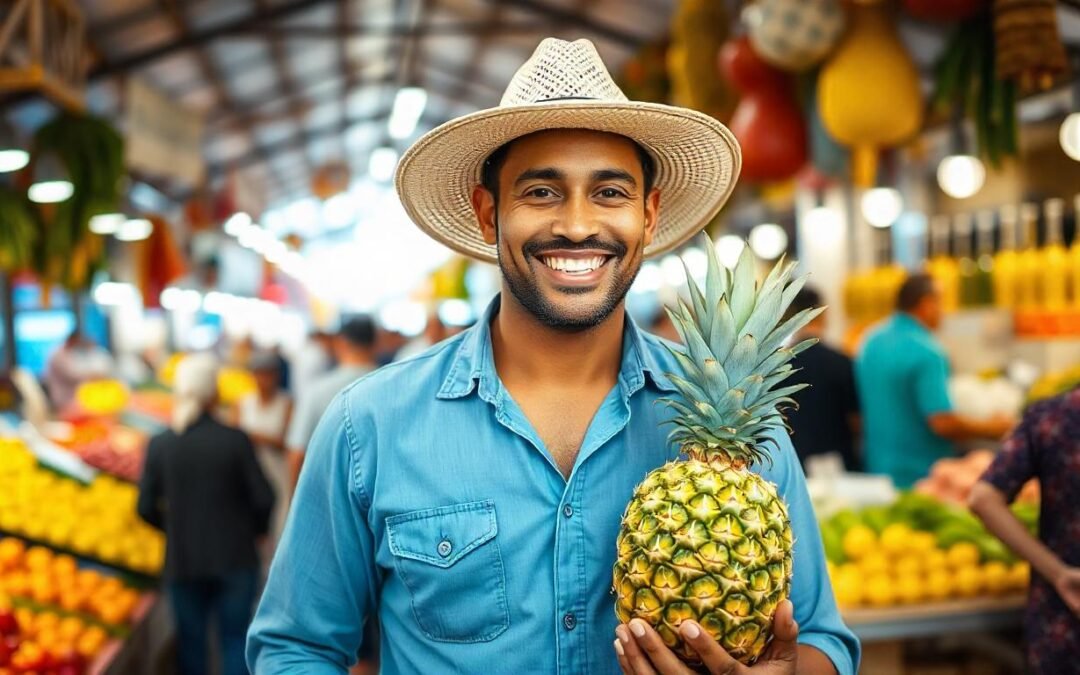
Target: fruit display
918, 550
102, 397
46, 642
985, 397
96, 521
46, 578
115, 449
706, 539
1054, 384
951, 479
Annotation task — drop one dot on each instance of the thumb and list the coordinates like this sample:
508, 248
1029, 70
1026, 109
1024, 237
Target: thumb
785, 633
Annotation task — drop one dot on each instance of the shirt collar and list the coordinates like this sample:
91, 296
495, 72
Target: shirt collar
905, 320
474, 363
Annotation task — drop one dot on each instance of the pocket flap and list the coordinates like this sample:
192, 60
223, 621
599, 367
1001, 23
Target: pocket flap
443, 535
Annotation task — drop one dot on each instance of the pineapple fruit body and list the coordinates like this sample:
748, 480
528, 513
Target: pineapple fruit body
705, 542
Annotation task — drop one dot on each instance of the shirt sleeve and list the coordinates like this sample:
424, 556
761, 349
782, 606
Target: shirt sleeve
323, 582
1018, 460
932, 385
150, 488
820, 624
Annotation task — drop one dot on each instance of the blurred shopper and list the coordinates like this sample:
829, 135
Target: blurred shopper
79, 359
354, 350
264, 415
313, 360
902, 375
827, 418
1046, 446
434, 333
203, 487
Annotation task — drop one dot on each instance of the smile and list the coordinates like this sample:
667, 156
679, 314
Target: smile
574, 265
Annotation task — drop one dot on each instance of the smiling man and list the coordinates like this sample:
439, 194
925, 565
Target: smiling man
469, 499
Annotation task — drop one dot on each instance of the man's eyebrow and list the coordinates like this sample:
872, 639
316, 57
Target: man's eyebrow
613, 174
540, 174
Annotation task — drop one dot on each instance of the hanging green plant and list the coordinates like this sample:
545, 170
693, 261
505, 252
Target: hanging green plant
967, 84
18, 230
92, 152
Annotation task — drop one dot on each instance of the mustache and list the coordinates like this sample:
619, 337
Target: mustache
536, 248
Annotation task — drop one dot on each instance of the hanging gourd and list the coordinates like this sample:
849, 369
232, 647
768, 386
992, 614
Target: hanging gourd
868, 91
1028, 45
794, 34
698, 29
767, 122
943, 10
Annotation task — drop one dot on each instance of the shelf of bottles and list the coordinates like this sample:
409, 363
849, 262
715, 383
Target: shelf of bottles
990, 259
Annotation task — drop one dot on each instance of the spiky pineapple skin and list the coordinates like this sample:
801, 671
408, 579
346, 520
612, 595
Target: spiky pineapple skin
706, 542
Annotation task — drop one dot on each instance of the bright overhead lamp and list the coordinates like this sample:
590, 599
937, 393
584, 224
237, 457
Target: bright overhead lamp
13, 160
112, 294
107, 223
135, 229
405, 115
881, 206
1069, 135
768, 241
728, 249
51, 184
961, 176
382, 164
237, 223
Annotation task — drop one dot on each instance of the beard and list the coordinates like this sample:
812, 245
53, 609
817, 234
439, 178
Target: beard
524, 287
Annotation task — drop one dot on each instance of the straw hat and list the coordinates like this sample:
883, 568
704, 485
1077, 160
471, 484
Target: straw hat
566, 86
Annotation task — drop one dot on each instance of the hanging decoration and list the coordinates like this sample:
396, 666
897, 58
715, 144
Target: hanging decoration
794, 34
645, 76
330, 179
943, 10
967, 82
868, 91
1028, 45
18, 232
767, 122
159, 261
698, 29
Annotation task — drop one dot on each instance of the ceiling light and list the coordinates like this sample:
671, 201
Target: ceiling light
728, 249
408, 107
382, 164
13, 160
768, 241
881, 206
961, 176
181, 300
237, 223
1070, 135
51, 182
107, 223
135, 229
111, 294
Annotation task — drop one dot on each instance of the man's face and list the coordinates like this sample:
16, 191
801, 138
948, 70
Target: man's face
931, 307
571, 224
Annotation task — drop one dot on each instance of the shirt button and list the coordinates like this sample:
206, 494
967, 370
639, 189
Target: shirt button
568, 510
569, 622
445, 547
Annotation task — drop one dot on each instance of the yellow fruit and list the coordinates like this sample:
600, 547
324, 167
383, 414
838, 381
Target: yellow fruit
70, 628
880, 591
909, 589
962, 554
935, 559
873, 564
1019, 576
922, 543
938, 585
830, 569
908, 565
848, 591
38, 557
859, 541
896, 539
995, 577
968, 581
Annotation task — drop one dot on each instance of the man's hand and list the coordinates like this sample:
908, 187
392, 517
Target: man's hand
1067, 585
641, 651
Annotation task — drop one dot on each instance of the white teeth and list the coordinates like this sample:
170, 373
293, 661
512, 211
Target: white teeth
573, 265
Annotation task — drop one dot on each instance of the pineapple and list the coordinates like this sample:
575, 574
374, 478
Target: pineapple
705, 538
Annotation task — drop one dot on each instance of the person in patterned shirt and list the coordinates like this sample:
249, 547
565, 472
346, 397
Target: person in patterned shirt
1046, 445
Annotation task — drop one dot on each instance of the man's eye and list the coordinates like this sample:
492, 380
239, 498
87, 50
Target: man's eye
611, 193
541, 193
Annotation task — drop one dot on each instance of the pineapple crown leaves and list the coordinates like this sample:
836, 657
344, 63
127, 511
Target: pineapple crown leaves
734, 357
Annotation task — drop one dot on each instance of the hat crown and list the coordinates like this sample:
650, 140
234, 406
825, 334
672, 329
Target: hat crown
560, 70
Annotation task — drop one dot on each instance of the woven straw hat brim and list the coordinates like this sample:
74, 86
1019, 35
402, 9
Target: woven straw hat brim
697, 165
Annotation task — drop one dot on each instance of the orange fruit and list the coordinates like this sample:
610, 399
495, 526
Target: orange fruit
38, 557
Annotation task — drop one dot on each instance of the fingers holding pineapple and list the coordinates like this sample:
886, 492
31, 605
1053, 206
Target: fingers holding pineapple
641, 650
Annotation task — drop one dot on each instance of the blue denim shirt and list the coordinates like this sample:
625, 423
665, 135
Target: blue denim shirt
429, 503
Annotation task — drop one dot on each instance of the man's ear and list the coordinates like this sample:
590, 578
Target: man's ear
483, 204
652, 214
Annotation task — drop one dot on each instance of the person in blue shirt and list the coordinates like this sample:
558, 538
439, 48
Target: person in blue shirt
902, 375
468, 499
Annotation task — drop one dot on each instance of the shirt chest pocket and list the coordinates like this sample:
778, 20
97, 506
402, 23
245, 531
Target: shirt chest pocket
449, 560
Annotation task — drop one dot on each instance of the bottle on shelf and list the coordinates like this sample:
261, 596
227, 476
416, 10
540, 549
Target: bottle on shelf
965, 263
1074, 258
1053, 259
941, 266
1006, 261
983, 288
1027, 273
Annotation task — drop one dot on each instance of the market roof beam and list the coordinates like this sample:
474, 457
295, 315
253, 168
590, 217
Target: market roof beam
574, 18
287, 83
354, 30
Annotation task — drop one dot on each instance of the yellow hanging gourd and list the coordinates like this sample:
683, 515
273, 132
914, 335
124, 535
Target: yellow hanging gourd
868, 92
